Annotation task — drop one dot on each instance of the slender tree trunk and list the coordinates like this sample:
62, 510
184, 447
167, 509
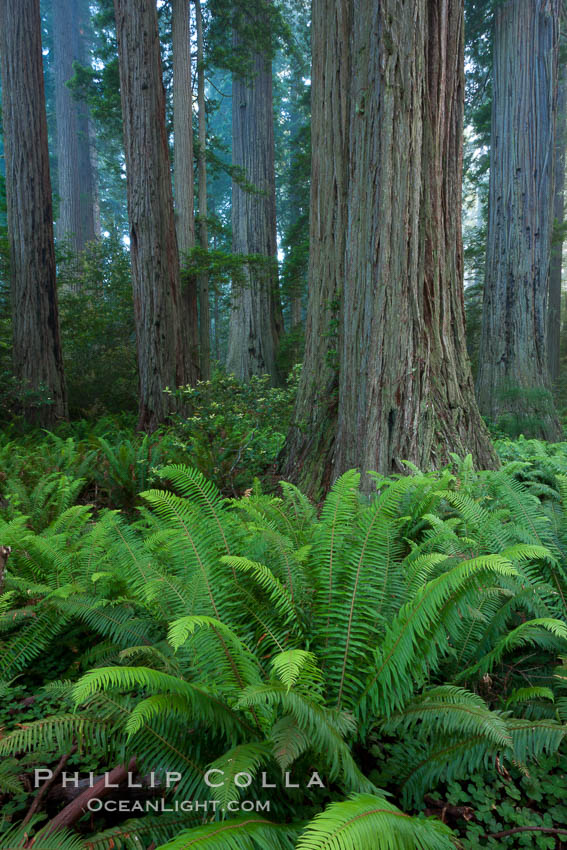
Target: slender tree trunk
153, 242
513, 385
203, 282
554, 306
76, 221
307, 454
184, 181
38, 361
391, 183
255, 319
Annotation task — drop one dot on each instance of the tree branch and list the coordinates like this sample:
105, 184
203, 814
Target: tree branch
550, 830
47, 785
72, 812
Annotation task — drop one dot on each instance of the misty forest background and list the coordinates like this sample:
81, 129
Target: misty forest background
283, 397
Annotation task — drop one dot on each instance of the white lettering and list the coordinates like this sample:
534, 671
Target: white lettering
247, 780
315, 780
265, 783
208, 775
41, 774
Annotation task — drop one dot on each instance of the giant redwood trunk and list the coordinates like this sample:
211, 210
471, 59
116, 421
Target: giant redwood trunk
76, 219
513, 384
183, 174
556, 268
153, 242
255, 319
405, 389
38, 362
307, 454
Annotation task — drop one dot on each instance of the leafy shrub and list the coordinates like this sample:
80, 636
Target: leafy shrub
233, 431
97, 330
535, 798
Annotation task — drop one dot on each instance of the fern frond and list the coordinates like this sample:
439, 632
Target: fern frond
251, 832
222, 773
366, 821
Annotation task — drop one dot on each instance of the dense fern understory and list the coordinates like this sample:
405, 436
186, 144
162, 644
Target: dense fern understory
372, 652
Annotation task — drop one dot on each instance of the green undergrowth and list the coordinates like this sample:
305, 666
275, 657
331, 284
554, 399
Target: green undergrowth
405, 647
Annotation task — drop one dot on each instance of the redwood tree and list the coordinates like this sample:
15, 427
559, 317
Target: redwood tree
203, 280
308, 451
556, 268
513, 380
255, 319
153, 242
405, 389
183, 173
38, 362
76, 219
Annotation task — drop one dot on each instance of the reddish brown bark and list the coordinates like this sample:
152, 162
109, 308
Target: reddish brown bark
183, 176
513, 384
255, 319
153, 242
386, 273
38, 359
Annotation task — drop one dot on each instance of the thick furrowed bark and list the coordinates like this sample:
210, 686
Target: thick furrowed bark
153, 242
389, 179
255, 319
513, 384
38, 361
308, 451
183, 175
406, 390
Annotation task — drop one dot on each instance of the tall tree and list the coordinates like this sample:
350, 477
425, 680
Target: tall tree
76, 219
307, 455
513, 382
255, 320
556, 269
405, 389
153, 242
38, 361
184, 182
203, 281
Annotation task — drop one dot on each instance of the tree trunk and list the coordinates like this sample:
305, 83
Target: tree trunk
405, 390
555, 274
307, 454
76, 220
153, 242
184, 182
255, 320
203, 282
513, 383
38, 361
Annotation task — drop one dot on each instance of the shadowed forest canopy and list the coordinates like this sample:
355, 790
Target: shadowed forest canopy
283, 465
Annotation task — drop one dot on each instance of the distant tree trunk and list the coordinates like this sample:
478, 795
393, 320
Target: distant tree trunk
307, 454
38, 361
203, 282
513, 383
76, 220
405, 389
184, 181
153, 242
255, 319
555, 275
